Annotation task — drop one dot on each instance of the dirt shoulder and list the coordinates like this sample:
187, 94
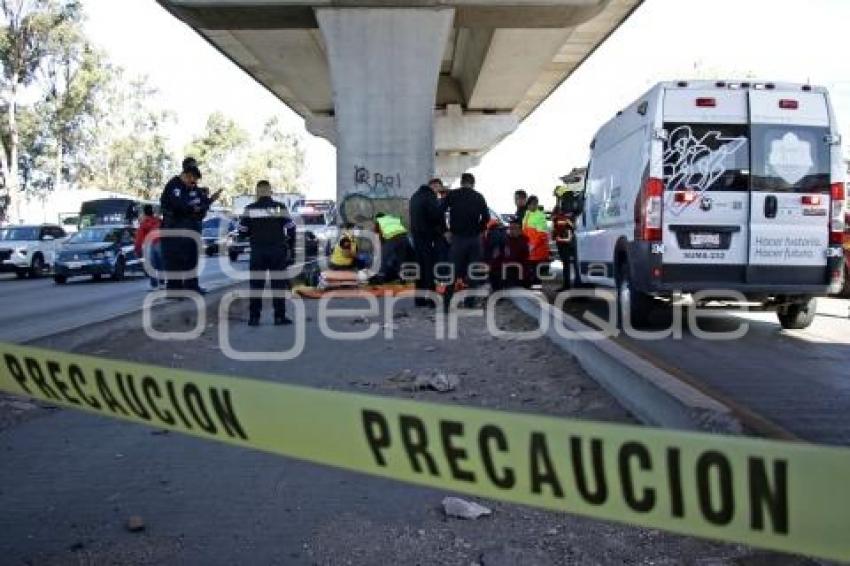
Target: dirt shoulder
345, 519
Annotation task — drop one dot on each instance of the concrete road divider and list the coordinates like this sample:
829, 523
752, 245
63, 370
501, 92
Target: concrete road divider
648, 392
777, 495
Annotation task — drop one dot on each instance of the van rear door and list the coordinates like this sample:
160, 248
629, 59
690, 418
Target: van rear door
790, 187
706, 179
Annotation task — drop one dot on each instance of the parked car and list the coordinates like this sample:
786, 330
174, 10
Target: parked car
237, 244
30, 249
97, 251
215, 232
701, 186
845, 291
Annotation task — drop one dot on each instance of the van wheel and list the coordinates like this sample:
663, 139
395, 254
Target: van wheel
799, 314
233, 256
21, 273
631, 303
60, 279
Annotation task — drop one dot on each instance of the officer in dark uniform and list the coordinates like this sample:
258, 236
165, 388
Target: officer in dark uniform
184, 206
272, 235
181, 204
427, 225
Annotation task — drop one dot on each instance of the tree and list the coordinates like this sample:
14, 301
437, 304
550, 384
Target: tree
25, 28
73, 72
130, 152
279, 158
219, 149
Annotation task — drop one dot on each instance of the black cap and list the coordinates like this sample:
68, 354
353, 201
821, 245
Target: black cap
193, 170
189, 162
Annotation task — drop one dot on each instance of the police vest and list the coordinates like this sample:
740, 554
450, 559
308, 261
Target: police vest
391, 227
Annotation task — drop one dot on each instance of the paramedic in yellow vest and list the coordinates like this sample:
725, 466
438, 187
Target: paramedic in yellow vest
344, 254
535, 229
395, 245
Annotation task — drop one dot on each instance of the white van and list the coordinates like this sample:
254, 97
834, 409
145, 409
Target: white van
702, 186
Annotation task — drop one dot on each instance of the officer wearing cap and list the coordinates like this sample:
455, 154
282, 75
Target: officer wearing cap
182, 202
272, 235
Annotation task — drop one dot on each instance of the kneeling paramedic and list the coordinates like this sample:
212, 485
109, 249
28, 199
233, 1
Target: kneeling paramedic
272, 235
395, 246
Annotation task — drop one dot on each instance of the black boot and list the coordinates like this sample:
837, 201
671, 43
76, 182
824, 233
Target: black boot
281, 320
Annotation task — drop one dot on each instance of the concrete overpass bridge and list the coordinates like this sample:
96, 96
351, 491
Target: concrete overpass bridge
406, 89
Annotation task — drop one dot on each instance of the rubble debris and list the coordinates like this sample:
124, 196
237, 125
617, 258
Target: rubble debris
437, 380
463, 509
135, 524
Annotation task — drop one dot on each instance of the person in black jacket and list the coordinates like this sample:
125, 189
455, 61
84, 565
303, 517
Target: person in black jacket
468, 217
181, 202
272, 235
521, 202
427, 226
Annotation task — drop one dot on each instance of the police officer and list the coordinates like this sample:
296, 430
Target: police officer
427, 225
468, 217
272, 235
181, 203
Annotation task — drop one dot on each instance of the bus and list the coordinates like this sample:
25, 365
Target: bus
113, 211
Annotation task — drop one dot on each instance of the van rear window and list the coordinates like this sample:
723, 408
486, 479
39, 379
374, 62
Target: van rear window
706, 157
789, 159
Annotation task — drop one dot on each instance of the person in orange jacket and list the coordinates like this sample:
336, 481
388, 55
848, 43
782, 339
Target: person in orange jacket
535, 229
147, 243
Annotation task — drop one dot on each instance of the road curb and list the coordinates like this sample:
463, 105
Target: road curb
652, 395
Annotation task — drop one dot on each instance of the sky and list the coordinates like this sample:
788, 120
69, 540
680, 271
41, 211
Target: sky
774, 40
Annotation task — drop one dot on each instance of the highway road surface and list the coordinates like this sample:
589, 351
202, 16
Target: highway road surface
792, 384
34, 308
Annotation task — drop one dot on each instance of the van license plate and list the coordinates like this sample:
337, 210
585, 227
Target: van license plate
702, 240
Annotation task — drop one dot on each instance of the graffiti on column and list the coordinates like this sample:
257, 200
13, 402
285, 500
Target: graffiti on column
380, 185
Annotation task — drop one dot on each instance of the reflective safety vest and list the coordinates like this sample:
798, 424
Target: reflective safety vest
534, 227
391, 226
342, 257
536, 220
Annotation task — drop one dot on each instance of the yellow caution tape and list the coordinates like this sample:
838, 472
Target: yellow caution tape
778, 495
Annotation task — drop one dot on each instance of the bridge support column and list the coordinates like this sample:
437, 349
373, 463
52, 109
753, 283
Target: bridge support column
385, 65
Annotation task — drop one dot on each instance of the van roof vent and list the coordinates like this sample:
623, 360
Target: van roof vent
770, 86
720, 84
682, 84
745, 85
807, 88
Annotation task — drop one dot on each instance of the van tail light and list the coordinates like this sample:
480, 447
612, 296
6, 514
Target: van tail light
788, 104
836, 219
706, 102
650, 219
812, 200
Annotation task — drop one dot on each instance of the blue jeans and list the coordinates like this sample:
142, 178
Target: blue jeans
153, 255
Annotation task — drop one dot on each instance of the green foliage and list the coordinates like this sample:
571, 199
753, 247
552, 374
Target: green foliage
86, 124
130, 152
219, 149
278, 158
